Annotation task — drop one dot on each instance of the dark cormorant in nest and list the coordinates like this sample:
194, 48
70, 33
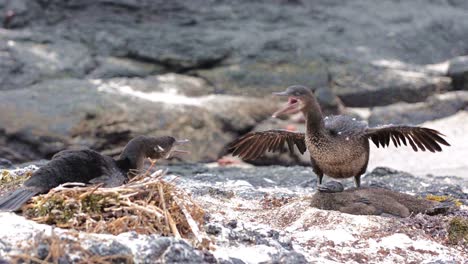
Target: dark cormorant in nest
89, 166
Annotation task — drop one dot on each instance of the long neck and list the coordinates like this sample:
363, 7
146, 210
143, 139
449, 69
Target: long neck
134, 154
313, 116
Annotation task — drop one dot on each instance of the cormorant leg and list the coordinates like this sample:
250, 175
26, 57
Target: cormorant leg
320, 178
357, 181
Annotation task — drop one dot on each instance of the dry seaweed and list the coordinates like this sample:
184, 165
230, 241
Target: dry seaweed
147, 205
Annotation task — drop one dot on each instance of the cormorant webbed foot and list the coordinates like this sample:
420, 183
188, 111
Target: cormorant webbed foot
330, 187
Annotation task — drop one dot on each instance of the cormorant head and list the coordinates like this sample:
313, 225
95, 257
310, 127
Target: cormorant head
298, 96
164, 147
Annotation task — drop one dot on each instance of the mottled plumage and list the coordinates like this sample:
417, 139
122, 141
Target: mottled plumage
338, 145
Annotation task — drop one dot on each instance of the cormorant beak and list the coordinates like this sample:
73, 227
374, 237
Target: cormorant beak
177, 152
181, 142
285, 93
291, 108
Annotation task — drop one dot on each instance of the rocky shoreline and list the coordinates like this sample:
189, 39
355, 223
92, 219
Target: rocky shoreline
96, 73
265, 213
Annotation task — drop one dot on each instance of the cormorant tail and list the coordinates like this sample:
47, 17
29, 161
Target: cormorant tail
14, 200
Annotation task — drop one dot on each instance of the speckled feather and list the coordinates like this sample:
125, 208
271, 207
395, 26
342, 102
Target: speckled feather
338, 145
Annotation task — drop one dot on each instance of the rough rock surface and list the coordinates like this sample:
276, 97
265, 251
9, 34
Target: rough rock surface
435, 107
265, 213
360, 85
217, 47
106, 114
458, 71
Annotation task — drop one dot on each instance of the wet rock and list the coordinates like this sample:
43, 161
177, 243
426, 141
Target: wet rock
240, 114
111, 67
110, 249
435, 107
213, 229
19, 13
364, 85
9, 67
182, 252
289, 257
104, 115
458, 71
5, 164
292, 232
262, 79
61, 58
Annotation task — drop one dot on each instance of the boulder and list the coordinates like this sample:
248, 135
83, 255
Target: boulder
104, 115
458, 71
267, 212
365, 85
263, 78
435, 107
111, 67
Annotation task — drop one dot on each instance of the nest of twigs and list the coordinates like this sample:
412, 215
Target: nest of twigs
146, 205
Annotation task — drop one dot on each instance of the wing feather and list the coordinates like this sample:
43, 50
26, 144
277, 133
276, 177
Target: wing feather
419, 138
255, 144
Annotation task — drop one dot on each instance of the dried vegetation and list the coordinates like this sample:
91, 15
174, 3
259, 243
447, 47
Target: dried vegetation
147, 205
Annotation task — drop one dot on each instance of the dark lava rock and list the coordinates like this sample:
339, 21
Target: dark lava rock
181, 252
232, 223
364, 85
112, 249
213, 229
458, 71
435, 107
5, 164
197, 178
288, 257
48, 117
260, 46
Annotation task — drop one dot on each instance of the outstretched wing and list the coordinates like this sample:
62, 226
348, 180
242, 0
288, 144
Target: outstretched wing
254, 144
418, 137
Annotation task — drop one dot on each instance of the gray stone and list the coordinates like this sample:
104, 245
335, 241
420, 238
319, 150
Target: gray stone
104, 115
110, 67
288, 257
110, 249
253, 183
435, 107
181, 252
364, 85
59, 59
5, 164
458, 71
213, 229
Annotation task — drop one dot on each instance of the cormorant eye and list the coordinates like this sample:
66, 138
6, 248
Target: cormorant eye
159, 148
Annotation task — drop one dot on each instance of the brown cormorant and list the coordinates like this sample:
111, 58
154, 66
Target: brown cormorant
338, 145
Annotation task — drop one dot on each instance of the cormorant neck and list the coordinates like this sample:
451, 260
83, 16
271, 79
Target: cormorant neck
134, 153
313, 116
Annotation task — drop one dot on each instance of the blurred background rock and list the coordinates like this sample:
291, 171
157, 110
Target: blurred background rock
97, 72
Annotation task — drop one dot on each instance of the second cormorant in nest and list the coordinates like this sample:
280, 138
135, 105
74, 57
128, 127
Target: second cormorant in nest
89, 166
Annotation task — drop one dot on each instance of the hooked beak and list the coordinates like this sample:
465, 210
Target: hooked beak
182, 142
281, 93
176, 152
291, 107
